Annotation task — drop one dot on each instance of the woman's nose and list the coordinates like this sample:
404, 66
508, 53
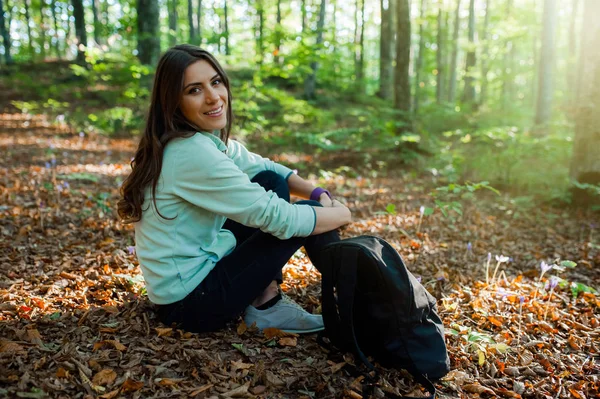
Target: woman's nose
212, 95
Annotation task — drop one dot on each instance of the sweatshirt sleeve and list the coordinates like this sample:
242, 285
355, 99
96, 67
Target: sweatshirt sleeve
251, 163
207, 178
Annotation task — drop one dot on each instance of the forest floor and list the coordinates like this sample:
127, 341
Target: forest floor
74, 320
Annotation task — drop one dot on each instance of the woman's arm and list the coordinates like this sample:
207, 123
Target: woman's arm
330, 218
303, 188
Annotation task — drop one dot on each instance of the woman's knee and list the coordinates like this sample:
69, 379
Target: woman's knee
273, 181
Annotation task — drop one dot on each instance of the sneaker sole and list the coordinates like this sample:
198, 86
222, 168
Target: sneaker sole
314, 330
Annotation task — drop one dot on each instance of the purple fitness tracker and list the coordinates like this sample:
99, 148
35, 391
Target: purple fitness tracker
316, 194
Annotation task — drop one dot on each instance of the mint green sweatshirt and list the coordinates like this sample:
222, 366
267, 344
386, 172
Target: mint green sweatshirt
203, 182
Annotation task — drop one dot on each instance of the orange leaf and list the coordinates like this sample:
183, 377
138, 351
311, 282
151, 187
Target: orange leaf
62, 373
415, 244
573, 344
271, 333
164, 332
131, 385
288, 341
500, 365
105, 377
495, 321
242, 328
476, 388
576, 394
167, 382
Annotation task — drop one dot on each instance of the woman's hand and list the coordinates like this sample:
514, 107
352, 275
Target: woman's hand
325, 200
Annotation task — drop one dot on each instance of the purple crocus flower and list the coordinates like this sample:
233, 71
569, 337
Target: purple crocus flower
469, 246
131, 249
501, 259
53, 161
552, 283
47, 165
81, 134
521, 299
545, 267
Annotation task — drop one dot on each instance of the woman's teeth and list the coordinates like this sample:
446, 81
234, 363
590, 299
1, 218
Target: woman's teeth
216, 111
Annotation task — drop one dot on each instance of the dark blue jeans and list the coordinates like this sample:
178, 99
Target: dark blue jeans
245, 273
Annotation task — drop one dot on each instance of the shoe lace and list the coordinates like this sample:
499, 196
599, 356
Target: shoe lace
290, 301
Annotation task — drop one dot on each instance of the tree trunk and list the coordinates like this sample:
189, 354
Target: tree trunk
28, 22
385, 51
544, 104
469, 93
5, 33
278, 31
585, 164
191, 22
572, 75
311, 81
419, 60
97, 24
148, 45
454, 59
55, 41
199, 23
359, 45
508, 70
439, 56
43, 29
172, 5
485, 54
80, 34
401, 78
226, 30
260, 47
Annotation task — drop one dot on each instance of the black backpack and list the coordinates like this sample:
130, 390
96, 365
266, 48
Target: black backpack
373, 306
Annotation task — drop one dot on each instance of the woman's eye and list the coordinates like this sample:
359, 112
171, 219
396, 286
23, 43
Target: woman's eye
216, 82
194, 90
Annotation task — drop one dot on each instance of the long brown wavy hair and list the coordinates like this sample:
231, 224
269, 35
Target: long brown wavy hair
165, 122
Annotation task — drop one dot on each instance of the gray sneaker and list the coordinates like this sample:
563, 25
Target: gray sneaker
285, 315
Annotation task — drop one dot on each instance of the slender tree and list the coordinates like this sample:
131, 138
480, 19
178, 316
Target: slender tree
28, 22
454, 58
419, 57
278, 32
148, 44
545, 88
55, 41
385, 51
311, 81
585, 164
43, 29
191, 21
5, 33
97, 23
572, 74
172, 6
80, 34
485, 54
359, 45
508, 68
199, 21
401, 78
226, 28
469, 93
260, 47
439, 56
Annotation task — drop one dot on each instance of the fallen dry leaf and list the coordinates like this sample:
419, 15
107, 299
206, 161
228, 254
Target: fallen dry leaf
131, 385
104, 377
271, 333
288, 341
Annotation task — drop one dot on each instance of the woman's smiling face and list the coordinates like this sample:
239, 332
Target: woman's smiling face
204, 98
